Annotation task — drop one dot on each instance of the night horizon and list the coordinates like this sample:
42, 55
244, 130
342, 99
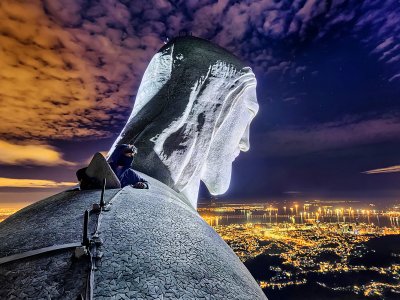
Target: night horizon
328, 88
265, 161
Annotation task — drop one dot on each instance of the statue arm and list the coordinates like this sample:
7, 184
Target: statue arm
129, 177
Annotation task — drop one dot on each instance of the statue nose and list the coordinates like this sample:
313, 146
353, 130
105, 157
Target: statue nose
244, 144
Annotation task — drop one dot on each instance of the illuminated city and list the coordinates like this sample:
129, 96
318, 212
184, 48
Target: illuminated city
332, 249
8, 210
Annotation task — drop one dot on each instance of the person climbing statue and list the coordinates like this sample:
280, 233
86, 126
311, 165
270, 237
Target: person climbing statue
120, 162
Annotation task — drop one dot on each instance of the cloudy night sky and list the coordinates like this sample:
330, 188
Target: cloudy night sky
328, 87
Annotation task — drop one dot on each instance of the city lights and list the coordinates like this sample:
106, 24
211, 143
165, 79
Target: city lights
309, 238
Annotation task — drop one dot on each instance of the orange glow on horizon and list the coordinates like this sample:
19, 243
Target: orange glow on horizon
33, 183
36, 154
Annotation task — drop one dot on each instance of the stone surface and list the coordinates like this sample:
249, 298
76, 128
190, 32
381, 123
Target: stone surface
191, 116
158, 247
56, 276
52, 221
155, 246
55, 220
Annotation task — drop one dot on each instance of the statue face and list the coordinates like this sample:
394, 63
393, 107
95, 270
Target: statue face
231, 138
190, 123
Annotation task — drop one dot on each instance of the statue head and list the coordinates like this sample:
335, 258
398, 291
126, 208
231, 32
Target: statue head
191, 116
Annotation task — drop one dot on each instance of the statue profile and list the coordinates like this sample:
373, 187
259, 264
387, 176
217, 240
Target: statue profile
190, 120
191, 116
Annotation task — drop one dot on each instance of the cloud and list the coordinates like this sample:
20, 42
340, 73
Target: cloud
32, 183
31, 154
347, 132
392, 169
265, 33
70, 69
394, 77
287, 99
293, 192
65, 76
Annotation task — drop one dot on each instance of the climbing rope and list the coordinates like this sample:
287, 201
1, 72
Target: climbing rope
54, 248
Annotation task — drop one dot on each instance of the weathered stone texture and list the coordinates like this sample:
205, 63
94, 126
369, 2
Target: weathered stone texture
53, 221
155, 246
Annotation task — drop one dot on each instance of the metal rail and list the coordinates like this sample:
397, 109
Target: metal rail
35, 252
92, 245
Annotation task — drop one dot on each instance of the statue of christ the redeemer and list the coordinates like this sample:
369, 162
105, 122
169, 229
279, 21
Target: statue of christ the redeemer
190, 121
191, 116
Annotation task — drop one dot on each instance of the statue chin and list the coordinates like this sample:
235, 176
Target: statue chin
217, 178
